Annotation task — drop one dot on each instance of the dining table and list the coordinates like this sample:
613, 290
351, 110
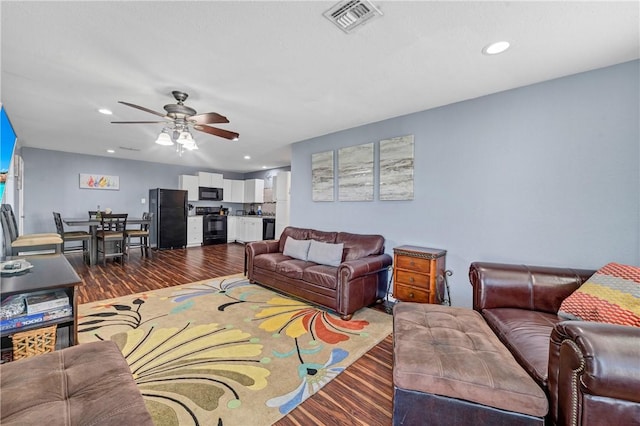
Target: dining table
93, 225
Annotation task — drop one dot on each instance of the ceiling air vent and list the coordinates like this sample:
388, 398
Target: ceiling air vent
350, 14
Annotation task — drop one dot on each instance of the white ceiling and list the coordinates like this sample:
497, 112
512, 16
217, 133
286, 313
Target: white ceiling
279, 71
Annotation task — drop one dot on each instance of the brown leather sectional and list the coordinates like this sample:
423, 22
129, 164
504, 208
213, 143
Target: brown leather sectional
590, 371
359, 281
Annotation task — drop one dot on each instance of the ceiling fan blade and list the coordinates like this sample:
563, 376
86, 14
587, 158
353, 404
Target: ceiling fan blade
136, 122
208, 118
217, 132
150, 111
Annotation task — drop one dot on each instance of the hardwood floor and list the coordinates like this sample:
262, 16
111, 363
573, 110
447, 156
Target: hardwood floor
361, 395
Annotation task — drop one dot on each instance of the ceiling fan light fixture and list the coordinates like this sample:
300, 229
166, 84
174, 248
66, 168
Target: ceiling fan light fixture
183, 119
164, 138
185, 138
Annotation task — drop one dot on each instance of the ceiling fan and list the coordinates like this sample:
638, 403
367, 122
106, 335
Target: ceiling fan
182, 117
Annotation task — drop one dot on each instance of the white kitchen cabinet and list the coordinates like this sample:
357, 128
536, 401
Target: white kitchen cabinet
254, 229
282, 186
254, 191
237, 191
232, 191
194, 231
210, 180
190, 184
226, 191
232, 228
249, 229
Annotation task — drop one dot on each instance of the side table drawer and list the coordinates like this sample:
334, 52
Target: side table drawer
412, 279
410, 294
413, 263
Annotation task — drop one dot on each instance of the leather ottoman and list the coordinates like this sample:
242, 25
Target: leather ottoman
450, 368
88, 384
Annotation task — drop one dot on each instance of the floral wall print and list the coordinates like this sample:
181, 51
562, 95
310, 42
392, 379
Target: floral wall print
322, 180
355, 173
97, 181
396, 168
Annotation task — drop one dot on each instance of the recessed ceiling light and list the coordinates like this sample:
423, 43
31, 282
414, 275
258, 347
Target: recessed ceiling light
111, 151
264, 167
495, 48
247, 157
105, 111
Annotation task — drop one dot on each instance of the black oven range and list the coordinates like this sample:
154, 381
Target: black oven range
214, 225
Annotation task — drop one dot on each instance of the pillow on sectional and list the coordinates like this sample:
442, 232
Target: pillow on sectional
611, 295
297, 249
325, 253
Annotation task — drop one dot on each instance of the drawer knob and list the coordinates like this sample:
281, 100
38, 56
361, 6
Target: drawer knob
411, 279
412, 263
410, 295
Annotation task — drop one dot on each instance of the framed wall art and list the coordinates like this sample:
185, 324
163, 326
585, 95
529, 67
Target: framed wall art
98, 181
355, 173
322, 176
396, 168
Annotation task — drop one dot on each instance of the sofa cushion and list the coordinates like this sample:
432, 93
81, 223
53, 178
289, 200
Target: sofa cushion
322, 275
269, 261
298, 249
323, 236
357, 246
611, 295
526, 334
293, 268
293, 232
325, 253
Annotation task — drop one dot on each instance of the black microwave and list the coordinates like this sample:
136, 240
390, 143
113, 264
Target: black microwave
210, 194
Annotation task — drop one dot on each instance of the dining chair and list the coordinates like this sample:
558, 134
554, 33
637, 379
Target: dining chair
15, 244
142, 234
111, 230
73, 236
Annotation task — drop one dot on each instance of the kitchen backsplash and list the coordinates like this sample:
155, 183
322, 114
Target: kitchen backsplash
268, 209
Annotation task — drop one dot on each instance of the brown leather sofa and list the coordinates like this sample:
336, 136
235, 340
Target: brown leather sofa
590, 371
359, 281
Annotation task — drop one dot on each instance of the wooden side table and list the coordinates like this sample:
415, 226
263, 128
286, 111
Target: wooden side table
419, 274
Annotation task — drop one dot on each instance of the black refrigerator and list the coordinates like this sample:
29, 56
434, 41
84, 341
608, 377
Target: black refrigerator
169, 223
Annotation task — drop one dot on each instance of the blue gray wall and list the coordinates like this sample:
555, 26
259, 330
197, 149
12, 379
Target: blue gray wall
547, 174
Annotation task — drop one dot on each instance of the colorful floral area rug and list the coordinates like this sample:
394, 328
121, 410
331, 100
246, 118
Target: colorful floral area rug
227, 352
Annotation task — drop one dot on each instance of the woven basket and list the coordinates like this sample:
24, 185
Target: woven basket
34, 342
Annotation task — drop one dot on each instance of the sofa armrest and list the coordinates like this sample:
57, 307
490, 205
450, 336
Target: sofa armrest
351, 269
594, 373
261, 247
536, 288
255, 248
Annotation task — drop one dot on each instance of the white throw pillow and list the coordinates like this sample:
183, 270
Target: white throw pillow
297, 249
325, 253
